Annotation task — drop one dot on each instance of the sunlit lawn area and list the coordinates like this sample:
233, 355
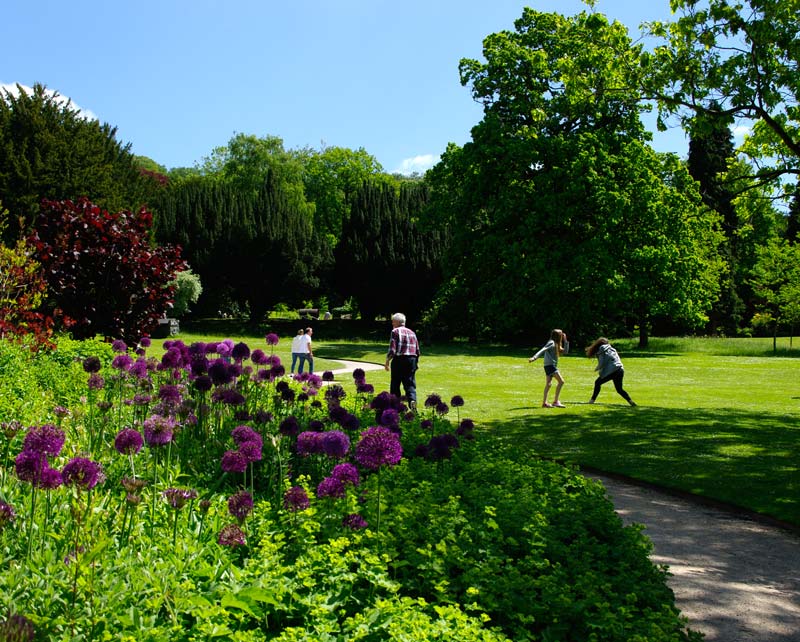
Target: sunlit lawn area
716, 417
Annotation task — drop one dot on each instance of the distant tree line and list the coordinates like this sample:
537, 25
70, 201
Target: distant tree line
557, 212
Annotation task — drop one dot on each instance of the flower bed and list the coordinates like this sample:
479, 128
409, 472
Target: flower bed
203, 493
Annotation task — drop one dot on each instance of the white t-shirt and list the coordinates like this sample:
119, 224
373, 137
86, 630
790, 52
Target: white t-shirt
298, 345
305, 343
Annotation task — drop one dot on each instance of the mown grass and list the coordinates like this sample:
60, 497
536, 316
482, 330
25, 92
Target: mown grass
718, 418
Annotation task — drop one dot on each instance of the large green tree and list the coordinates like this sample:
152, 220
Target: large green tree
734, 58
48, 149
561, 215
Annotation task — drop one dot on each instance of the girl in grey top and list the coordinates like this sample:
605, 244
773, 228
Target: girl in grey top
557, 345
609, 368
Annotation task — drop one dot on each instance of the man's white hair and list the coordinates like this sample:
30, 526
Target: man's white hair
399, 317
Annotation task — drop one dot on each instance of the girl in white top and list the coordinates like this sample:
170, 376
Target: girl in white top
557, 345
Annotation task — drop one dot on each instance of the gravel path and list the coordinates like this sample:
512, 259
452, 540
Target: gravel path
736, 579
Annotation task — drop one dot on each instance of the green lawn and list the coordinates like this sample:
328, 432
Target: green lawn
719, 418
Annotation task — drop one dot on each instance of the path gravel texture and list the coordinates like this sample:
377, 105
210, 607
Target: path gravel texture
735, 578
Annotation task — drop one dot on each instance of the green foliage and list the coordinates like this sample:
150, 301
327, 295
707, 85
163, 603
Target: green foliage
49, 150
187, 291
776, 283
734, 59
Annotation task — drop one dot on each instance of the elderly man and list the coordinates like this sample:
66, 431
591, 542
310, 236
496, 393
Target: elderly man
402, 358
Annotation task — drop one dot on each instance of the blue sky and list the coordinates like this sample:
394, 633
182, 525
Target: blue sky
180, 77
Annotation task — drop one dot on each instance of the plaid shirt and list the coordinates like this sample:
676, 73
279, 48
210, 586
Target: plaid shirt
403, 343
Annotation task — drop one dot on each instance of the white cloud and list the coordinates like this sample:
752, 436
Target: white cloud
419, 164
12, 89
740, 131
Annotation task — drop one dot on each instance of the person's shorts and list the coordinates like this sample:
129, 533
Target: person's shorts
550, 370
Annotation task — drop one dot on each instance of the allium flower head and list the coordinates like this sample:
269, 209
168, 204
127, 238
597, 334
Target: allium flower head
29, 466
465, 427
170, 393
378, 446
327, 375
7, 514
296, 499
335, 443
289, 426
365, 388
272, 339
203, 383
61, 412
309, 443
432, 400
220, 373
177, 498
346, 473
233, 462
331, 487
96, 382
251, 451
128, 441
389, 417
243, 433
441, 446
457, 401
351, 422
158, 430
258, 357
262, 416
442, 408
240, 351
91, 364
225, 347
359, 374
231, 536
119, 346
50, 479
354, 521
133, 485
11, 429
145, 342
139, 369
47, 440
172, 358
240, 505
334, 392
122, 362
277, 370
83, 473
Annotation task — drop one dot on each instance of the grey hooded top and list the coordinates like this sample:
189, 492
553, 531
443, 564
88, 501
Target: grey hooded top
608, 360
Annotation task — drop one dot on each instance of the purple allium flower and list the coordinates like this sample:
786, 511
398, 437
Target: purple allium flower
426, 424
7, 514
158, 430
122, 362
457, 401
11, 428
441, 446
119, 346
331, 487
272, 339
177, 497
335, 444
172, 358
314, 382
82, 472
242, 434
251, 451
422, 450
346, 473
91, 364
384, 400
277, 371
128, 441
359, 374
145, 342
231, 535
365, 388
296, 499
139, 368
442, 408
29, 466
133, 485
289, 426
351, 422
203, 383
50, 479
220, 373
47, 440
240, 351
229, 397
336, 412
170, 393
309, 443
258, 357
141, 400
316, 404
199, 365
17, 628
389, 417
233, 462
465, 427
240, 505
61, 412
225, 347
378, 446
354, 521
262, 416
433, 400
315, 425
334, 392
327, 375
288, 395
96, 382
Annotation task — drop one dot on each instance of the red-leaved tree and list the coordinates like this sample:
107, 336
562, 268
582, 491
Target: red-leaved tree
104, 275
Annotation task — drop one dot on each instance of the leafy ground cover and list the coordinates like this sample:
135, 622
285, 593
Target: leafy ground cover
193, 492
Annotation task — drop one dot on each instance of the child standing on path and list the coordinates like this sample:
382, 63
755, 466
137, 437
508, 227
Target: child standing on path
556, 346
609, 367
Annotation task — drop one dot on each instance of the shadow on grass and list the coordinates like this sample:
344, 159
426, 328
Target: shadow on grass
750, 460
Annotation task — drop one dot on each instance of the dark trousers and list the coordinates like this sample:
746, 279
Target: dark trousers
403, 370
616, 377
